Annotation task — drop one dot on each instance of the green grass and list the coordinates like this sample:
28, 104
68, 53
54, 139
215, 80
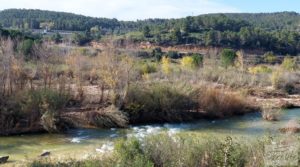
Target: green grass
183, 149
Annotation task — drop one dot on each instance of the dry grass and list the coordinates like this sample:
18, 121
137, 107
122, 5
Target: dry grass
292, 126
219, 103
271, 114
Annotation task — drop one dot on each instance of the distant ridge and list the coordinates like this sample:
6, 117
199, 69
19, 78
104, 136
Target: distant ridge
32, 18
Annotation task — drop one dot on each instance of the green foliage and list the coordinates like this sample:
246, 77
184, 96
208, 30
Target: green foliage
36, 100
96, 33
248, 31
175, 151
193, 61
130, 153
157, 102
197, 59
157, 53
81, 38
228, 57
173, 54
146, 32
57, 38
26, 48
176, 36
32, 105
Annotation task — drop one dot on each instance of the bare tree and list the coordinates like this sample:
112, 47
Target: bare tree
115, 73
7, 56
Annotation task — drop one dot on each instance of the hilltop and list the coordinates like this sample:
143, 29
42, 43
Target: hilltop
277, 32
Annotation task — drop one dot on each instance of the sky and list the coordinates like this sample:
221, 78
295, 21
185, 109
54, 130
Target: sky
143, 9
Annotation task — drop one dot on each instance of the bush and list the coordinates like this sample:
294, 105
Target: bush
33, 106
130, 153
26, 48
165, 63
276, 79
193, 61
187, 62
157, 53
289, 64
57, 38
217, 103
81, 38
143, 54
260, 69
148, 68
228, 57
157, 103
173, 55
197, 59
269, 57
175, 151
53, 100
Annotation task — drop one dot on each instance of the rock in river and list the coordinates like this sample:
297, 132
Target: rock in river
3, 159
45, 154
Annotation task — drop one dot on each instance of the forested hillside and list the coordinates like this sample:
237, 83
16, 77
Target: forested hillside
278, 32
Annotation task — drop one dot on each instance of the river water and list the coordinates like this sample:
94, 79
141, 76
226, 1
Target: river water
84, 143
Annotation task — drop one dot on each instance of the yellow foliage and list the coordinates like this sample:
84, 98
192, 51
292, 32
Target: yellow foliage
187, 62
259, 69
289, 64
165, 63
276, 78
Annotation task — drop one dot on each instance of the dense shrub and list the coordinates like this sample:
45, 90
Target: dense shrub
173, 55
167, 103
81, 38
33, 106
158, 102
131, 153
157, 53
187, 62
26, 48
192, 61
228, 57
219, 103
197, 59
147, 68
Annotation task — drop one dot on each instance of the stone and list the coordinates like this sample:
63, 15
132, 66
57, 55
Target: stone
45, 154
3, 159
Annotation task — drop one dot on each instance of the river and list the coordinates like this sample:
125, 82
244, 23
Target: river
84, 143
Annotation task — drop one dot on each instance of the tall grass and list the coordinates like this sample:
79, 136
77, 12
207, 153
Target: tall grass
165, 102
176, 151
30, 109
219, 103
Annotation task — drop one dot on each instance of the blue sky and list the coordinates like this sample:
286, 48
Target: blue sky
141, 9
263, 5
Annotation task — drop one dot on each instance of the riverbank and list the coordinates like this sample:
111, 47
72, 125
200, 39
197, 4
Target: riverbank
190, 149
83, 144
92, 115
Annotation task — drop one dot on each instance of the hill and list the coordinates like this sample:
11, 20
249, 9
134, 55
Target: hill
278, 32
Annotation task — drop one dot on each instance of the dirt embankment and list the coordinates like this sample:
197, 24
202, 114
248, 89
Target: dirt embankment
94, 115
